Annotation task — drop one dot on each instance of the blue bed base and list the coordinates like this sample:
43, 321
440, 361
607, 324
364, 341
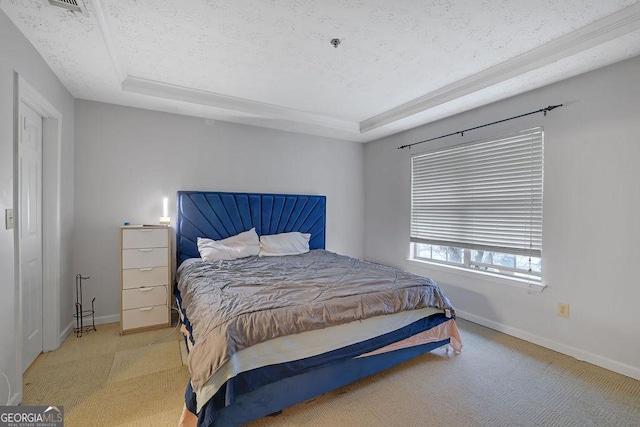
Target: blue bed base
218, 215
282, 394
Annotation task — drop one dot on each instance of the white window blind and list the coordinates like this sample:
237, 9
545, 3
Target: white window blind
484, 195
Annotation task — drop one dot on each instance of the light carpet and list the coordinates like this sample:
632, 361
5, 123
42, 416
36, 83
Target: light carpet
82, 376
498, 380
147, 360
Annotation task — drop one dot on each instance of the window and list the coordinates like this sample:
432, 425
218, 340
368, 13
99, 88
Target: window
479, 205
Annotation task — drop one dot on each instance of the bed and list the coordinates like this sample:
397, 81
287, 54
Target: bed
268, 332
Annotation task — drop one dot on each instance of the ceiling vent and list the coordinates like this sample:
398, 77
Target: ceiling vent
72, 5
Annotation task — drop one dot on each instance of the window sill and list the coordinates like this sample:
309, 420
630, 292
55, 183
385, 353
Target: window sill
530, 285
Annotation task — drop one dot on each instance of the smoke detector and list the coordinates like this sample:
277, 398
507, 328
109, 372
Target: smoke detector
75, 6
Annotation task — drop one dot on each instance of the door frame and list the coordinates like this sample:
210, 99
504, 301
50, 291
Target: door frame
51, 173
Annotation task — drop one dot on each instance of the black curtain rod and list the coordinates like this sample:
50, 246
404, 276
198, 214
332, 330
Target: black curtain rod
461, 132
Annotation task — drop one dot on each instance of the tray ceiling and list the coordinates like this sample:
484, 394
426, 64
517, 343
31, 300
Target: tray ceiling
400, 64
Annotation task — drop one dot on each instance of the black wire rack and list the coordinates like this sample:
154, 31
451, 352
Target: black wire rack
82, 314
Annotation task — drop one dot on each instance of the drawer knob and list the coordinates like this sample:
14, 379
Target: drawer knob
146, 250
145, 289
146, 309
146, 269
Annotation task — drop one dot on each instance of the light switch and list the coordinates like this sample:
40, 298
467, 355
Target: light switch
8, 219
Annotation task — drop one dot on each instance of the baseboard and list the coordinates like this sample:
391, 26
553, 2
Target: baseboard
15, 399
100, 320
110, 318
65, 333
595, 359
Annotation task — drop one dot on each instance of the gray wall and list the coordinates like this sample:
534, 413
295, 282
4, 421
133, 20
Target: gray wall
128, 159
18, 55
591, 210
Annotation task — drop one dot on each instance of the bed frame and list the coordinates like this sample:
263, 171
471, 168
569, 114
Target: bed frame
218, 215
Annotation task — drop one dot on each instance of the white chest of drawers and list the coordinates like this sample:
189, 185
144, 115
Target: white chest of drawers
145, 278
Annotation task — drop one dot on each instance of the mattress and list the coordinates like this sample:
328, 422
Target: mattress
255, 319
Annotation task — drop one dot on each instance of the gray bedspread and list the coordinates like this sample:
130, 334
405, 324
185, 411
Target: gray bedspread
235, 304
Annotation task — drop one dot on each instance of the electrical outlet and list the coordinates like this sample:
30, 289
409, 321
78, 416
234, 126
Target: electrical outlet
563, 309
8, 219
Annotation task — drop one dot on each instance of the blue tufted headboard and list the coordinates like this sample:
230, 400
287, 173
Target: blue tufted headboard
218, 215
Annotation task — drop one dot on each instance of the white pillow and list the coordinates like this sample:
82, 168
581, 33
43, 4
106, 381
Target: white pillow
241, 245
293, 243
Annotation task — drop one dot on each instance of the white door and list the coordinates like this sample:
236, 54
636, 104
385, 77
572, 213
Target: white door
30, 229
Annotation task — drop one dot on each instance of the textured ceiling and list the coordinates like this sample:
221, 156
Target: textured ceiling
270, 63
